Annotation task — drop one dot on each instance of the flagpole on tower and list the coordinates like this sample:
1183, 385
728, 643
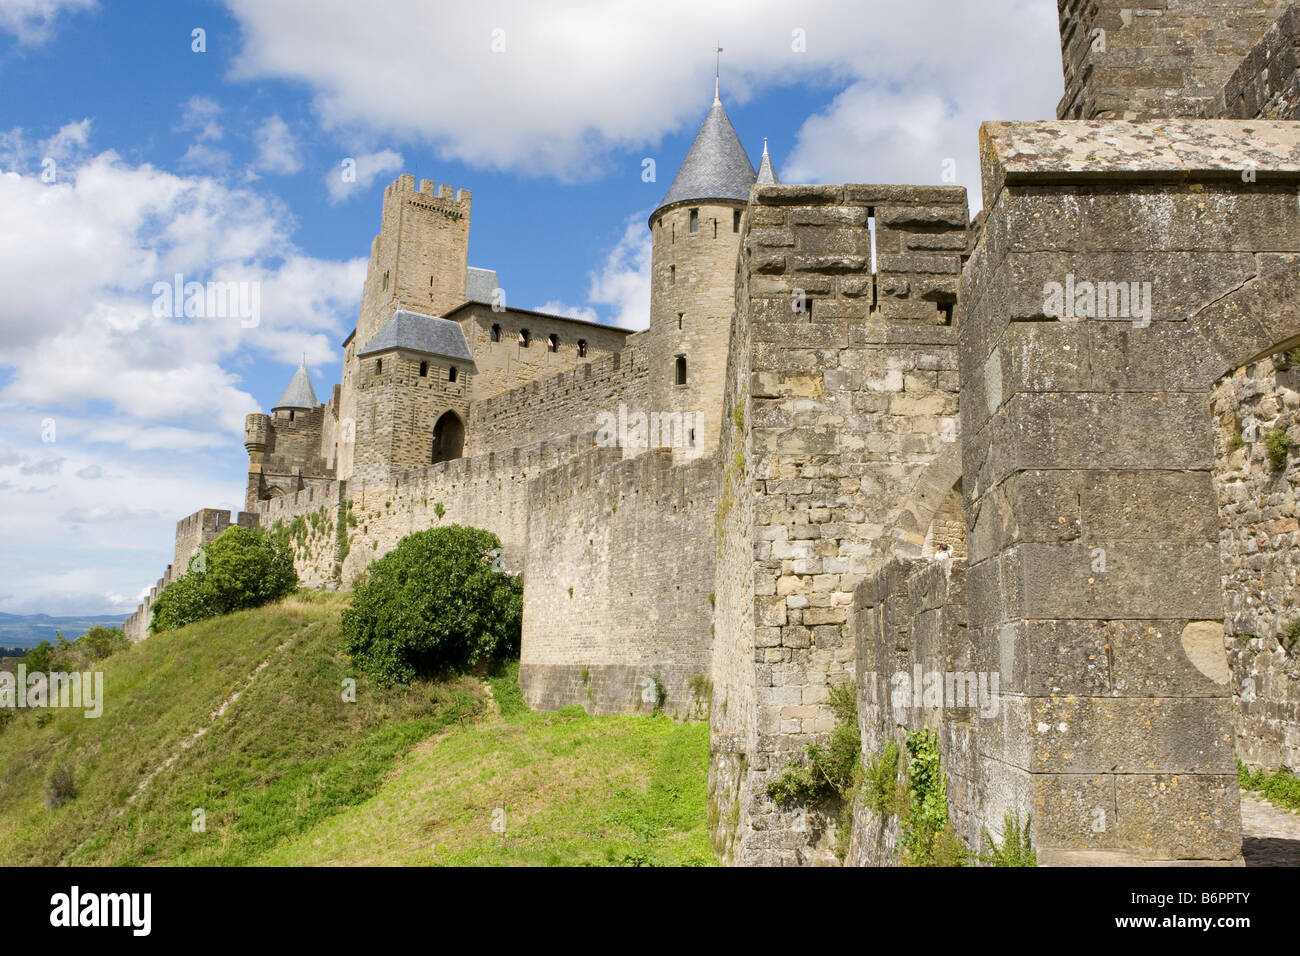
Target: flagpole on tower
717, 71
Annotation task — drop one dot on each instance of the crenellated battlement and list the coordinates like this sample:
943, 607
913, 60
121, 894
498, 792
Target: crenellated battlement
429, 195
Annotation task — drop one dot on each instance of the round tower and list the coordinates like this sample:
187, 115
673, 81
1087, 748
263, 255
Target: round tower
695, 241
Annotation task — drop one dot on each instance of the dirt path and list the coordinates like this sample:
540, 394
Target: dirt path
1270, 836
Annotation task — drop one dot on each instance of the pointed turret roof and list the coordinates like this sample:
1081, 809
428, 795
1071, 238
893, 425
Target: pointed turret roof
716, 167
766, 171
299, 395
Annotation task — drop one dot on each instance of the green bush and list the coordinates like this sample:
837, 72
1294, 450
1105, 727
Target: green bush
244, 567
434, 603
100, 642
96, 644
880, 783
1276, 443
832, 770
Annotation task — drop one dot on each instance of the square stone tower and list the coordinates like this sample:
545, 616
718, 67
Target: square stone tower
418, 262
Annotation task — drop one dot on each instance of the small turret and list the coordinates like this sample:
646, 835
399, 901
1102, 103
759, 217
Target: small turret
766, 172
257, 428
299, 396
696, 234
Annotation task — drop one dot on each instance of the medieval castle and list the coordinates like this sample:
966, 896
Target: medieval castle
886, 445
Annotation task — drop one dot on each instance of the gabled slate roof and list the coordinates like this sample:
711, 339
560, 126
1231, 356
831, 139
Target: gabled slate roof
425, 334
299, 395
716, 166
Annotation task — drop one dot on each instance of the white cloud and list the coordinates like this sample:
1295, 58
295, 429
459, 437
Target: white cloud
354, 174
573, 82
79, 260
107, 514
622, 283
31, 21
277, 150
200, 117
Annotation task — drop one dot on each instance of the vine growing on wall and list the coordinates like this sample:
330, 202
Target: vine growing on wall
927, 835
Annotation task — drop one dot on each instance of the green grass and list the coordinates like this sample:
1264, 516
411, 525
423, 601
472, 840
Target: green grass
569, 789
1281, 788
292, 773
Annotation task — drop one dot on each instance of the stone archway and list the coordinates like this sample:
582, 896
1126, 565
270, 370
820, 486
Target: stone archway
448, 437
910, 524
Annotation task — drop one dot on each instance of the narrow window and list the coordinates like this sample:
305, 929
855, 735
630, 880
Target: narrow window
735, 221
291, 414
695, 220
681, 370
871, 229
430, 282
496, 333
582, 348
452, 373
715, 228
945, 313
524, 338
672, 275
424, 370
690, 439
379, 366
680, 317
674, 228
552, 343
385, 289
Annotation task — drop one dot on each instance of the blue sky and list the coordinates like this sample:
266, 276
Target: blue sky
224, 164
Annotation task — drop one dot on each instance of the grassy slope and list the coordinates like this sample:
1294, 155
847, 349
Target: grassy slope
574, 790
291, 773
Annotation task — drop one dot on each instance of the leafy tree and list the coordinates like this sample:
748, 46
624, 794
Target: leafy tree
244, 567
435, 602
40, 658
100, 642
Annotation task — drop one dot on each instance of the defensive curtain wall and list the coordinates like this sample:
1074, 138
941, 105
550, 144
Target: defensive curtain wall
841, 393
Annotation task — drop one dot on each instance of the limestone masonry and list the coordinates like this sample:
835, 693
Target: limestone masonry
1046, 453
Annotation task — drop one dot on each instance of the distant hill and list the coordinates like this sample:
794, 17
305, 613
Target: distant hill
28, 630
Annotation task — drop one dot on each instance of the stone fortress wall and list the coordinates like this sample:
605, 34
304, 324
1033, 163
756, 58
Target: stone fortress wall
918, 463
1259, 543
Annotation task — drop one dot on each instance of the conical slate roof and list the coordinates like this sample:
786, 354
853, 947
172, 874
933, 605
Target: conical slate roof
299, 395
716, 167
766, 171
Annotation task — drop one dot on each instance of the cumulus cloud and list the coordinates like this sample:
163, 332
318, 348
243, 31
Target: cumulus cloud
90, 472
107, 514
355, 173
79, 262
31, 21
41, 466
502, 91
622, 283
277, 150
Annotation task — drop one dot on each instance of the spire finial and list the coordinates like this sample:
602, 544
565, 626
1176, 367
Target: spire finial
717, 73
764, 145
